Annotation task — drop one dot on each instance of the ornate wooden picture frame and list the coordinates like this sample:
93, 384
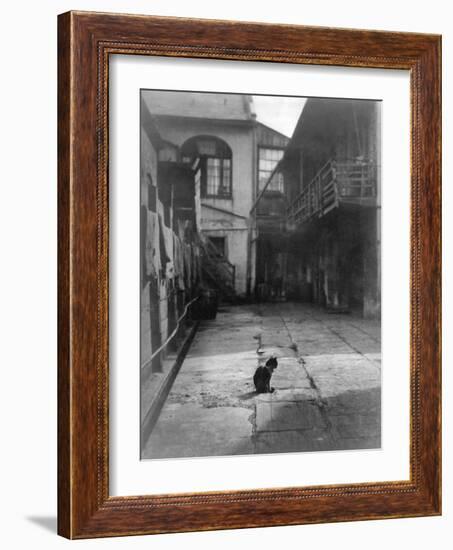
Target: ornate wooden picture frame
85, 42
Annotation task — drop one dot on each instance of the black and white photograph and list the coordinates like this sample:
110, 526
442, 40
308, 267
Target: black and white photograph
226, 277
260, 274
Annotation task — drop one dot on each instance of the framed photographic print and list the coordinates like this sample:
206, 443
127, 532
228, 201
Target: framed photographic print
249, 275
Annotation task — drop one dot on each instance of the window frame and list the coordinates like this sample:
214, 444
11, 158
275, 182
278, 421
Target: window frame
270, 148
204, 178
204, 167
213, 238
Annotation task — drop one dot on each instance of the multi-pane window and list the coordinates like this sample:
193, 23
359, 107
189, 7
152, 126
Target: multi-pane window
267, 161
218, 176
215, 164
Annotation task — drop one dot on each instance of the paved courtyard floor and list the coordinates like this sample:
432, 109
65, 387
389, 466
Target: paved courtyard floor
327, 385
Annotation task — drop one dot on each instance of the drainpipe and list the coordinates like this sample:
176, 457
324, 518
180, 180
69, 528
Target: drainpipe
251, 221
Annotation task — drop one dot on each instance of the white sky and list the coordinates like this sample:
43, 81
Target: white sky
280, 113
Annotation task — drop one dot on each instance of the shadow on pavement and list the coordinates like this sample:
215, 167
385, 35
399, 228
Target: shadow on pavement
246, 396
350, 420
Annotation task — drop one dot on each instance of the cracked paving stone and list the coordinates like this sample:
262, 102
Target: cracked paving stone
286, 415
357, 443
196, 432
355, 426
324, 360
291, 394
293, 441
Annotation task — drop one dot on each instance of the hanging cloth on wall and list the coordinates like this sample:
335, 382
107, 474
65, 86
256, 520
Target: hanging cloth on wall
178, 262
164, 258
169, 249
152, 253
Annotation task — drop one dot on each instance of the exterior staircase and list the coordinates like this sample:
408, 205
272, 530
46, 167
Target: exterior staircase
218, 272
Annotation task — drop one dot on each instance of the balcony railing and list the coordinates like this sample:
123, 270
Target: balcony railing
346, 181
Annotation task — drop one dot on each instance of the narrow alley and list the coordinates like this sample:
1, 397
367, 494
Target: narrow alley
327, 385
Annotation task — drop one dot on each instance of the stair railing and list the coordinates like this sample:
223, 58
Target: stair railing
218, 268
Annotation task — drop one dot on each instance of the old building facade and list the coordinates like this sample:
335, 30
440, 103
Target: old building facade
331, 170
229, 203
268, 215
236, 155
170, 271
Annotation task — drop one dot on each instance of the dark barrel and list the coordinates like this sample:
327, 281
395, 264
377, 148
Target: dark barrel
206, 305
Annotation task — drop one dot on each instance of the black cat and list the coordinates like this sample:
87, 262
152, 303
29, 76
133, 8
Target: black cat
263, 375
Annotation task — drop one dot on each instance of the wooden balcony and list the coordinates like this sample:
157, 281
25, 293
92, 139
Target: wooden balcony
337, 182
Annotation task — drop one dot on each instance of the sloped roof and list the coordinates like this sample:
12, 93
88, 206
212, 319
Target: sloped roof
322, 118
199, 104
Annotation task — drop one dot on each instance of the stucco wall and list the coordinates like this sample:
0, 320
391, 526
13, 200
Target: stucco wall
239, 137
